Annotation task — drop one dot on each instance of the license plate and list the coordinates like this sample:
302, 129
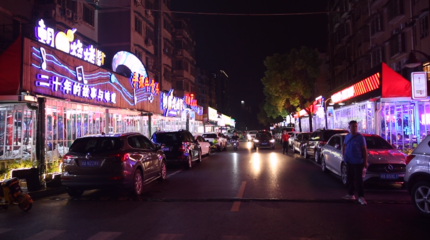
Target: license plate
89, 163
165, 149
263, 143
389, 176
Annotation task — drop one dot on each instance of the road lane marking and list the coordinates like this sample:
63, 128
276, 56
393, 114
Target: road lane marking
105, 236
164, 236
3, 230
236, 204
46, 234
173, 173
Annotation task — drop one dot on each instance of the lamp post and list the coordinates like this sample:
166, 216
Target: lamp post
325, 111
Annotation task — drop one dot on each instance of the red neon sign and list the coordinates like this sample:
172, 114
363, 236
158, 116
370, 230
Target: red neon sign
364, 86
189, 100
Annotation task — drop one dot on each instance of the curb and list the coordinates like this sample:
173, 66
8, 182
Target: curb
47, 192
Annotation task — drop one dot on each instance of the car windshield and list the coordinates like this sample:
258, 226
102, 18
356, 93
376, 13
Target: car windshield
96, 144
375, 142
252, 132
166, 137
305, 136
210, 135
264, 135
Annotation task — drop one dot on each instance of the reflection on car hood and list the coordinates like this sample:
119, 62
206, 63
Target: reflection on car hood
386, 156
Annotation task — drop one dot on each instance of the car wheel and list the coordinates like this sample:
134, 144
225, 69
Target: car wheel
421, 197
23, 203
137, 182
74, 192
189, 163
209, 152
344, 174
323, 164
199, 160
163, 171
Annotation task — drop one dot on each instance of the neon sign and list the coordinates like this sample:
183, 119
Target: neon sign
171, 105
189, 100
364, 86
147, 85
64, 41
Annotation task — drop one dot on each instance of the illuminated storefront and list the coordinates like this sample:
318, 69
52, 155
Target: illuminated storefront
56, 90
318, 120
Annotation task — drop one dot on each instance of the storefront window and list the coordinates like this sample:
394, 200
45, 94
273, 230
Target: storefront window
362, 112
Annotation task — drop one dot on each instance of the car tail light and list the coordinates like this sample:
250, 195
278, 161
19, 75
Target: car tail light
66, 158
409, 158
125, 157
182, 148
116, 178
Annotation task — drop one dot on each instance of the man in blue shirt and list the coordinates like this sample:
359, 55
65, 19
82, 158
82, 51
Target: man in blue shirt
355, 157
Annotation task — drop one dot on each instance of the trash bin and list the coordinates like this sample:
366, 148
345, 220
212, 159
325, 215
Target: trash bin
31, 175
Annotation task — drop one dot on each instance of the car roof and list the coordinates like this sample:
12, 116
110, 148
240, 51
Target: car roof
363, 134
113, 135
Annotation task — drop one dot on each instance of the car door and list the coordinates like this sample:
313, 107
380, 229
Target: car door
151, 156
337, 155
203, 145
138, 155
328, 152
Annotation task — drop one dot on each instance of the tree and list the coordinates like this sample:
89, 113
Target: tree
289, 82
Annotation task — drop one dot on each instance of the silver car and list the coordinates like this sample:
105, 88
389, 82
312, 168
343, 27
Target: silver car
126, 160
386, 164
418, 176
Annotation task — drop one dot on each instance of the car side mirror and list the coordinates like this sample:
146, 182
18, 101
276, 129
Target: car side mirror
337, 146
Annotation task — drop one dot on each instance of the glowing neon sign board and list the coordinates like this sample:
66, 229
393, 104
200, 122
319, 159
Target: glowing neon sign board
65, 41
212, 114
189, 100
172, 106
364, 86
147, 85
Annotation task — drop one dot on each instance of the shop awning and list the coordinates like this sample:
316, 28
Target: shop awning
10, 68
393, 84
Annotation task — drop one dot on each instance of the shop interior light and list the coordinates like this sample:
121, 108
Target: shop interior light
331, 103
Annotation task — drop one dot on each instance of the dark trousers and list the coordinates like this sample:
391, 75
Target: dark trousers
355, 179
285, 147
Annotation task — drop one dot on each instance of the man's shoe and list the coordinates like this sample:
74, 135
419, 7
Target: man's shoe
349, 197
362, 201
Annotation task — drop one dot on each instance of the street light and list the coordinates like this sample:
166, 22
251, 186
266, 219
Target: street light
243, 102
413, 61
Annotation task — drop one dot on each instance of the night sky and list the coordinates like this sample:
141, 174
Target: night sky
239, 44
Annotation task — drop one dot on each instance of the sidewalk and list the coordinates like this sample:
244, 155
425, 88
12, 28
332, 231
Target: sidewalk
47, 192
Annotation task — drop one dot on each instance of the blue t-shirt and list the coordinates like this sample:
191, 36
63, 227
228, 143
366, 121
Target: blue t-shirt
353, 151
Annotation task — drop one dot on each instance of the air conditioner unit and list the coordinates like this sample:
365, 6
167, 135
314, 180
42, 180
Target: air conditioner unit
75, 17
137, 2
69, 13
148, 13
394, 31
402, 25
148, 41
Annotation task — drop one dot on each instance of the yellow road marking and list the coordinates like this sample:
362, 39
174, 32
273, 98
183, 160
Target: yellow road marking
236, 204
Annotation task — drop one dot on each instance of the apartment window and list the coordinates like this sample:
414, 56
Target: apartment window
179, 85
185, 64
88, 15
395, 8
167, 75
424, 26
149, 5
149, 33
179, 65
46, 1
376, 25
186, 86
138, 54
138, 25
377, 56
397, 44
178, 44
72, 5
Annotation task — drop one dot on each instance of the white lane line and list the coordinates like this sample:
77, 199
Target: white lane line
166, 236
46, 234
236, 204
3, 230
105, 236
173, 173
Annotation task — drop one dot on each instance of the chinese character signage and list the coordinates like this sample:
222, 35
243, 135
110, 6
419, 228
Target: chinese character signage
144, 85
189, 100
65, 41
419, 85
172, 106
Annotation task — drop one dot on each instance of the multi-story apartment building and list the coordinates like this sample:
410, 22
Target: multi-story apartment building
222, 91
203, 87
19, 17
184, 69
375, 47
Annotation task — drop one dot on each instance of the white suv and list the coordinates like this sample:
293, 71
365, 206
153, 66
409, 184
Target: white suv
418, 176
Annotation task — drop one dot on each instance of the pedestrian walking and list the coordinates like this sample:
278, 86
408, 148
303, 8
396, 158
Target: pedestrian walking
285, 138
355, 158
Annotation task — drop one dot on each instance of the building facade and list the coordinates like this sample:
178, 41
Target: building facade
222, 91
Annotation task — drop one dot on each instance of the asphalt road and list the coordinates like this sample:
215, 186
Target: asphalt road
229, 196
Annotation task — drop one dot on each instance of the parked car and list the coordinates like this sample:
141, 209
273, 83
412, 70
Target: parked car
178, 147
417, 176
293, 135
300, 141
263, 139
127, 160
317, 140
204, 145
217, 139
251, 135
386, 164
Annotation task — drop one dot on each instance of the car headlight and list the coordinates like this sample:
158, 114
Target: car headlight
273, 140
255, 140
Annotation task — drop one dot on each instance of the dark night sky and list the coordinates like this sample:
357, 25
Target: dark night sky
239, 44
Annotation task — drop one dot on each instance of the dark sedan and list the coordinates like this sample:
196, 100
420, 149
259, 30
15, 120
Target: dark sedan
264, 140
127, 160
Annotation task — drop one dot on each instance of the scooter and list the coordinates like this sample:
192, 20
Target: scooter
12, 193
235, 144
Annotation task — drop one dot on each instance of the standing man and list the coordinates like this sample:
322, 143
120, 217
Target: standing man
355, 158
285, 138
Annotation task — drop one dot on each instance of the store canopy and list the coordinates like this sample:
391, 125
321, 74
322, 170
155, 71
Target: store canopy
393, 84
10, 69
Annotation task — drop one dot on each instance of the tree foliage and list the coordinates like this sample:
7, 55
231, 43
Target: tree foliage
289, 82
